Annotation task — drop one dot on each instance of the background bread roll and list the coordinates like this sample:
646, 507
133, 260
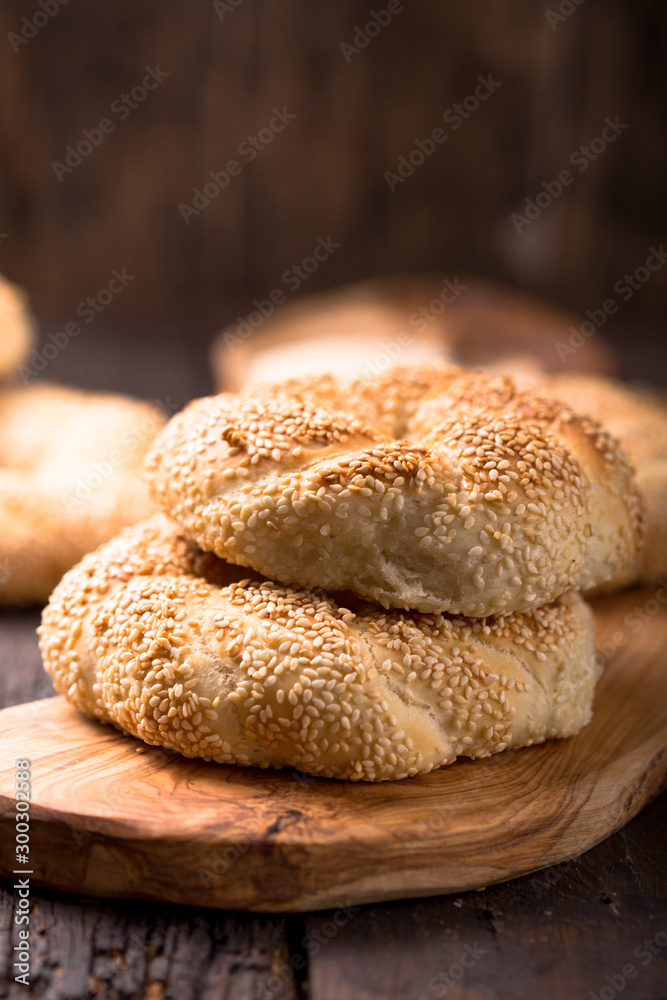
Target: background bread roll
364, 328
70, 478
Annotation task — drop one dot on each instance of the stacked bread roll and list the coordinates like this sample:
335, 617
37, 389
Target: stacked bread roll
416, 543
637, 417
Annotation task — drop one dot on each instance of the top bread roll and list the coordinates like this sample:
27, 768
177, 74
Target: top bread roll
637, 418
427, 488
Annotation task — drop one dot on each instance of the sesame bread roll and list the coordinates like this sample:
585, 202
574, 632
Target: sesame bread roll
169, 644
427, 488
70, 478
637, 418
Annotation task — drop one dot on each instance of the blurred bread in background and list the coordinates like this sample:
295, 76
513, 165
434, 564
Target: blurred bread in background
17, 327
70, 465
365, 328
70, 478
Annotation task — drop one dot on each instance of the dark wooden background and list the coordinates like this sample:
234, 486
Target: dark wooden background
324, 174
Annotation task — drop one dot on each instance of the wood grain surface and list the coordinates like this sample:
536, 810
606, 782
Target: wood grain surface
154, 825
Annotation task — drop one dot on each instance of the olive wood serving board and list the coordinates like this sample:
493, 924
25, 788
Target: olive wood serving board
110, 821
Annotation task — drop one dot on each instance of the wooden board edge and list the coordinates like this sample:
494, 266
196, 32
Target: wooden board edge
92, 878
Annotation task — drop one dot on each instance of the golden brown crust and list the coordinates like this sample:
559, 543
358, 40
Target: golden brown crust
427, 488
70, 478
637, 418
171, 645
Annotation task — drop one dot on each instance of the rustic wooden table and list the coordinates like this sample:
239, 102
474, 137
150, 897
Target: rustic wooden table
593, 927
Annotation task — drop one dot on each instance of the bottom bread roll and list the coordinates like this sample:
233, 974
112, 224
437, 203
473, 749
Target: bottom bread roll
171, 645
